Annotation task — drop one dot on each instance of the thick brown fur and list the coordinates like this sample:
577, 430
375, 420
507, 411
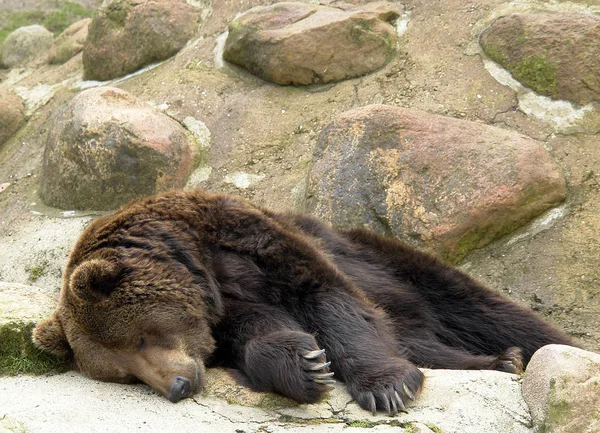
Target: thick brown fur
173, 283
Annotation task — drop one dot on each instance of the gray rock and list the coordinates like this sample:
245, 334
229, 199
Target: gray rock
301, 43
126, 35
452, 402
554, 54
25, 44
70, 42
443, 184
108, 147
12, 115
562, 388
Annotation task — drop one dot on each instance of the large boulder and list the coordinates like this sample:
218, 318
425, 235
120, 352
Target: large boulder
69, 42
562, 388
107, 147
301, 43
554, 54
126, 35
25, 44
443, 184
12, 114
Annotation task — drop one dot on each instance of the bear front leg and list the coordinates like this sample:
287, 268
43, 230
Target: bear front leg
272, 351
289, 363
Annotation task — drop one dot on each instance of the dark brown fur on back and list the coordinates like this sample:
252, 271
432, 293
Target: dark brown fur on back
196, 279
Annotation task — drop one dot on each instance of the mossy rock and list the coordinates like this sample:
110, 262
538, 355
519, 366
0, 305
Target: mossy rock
554, 54
21, 307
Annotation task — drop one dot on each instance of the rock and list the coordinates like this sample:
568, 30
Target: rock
554, 54
439, 183
12, 115
562, 388
462, 401
301, 43
25, 44
107, 147
69, 42
21, 307
126, 35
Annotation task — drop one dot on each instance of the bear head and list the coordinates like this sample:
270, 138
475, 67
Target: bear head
128, 315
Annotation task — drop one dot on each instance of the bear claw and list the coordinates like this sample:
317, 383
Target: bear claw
324, 378
314, 354
321, 366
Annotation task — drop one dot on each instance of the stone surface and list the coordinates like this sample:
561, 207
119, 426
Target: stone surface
126, 35
443, 184
25, 44
301, 43
21, 307
562, 388
12, 114
555, 54
452, 402
69, 42
108, 147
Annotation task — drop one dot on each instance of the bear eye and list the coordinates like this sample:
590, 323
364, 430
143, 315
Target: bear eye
141, 343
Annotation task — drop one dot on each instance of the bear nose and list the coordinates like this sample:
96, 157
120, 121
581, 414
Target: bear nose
180, 388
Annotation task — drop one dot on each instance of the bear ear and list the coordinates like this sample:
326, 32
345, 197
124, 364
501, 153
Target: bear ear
50, 336
94, 280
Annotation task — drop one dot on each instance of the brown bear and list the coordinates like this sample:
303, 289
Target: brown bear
173, 283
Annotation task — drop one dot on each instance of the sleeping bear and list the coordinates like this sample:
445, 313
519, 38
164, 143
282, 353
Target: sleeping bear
171, 284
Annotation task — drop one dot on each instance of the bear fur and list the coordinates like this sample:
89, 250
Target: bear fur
173, 283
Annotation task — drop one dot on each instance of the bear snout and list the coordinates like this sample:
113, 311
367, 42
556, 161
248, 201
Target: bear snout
180, 389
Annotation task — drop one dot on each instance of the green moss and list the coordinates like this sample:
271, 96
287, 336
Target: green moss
10, 425
361, 31
536, 73
434, 428
495, 52
36, 271
63, 53
12, 20
273, 401
117, 12
19, 355
69, 12
362, 424
371, 424
467, 243
65, 14
312, 421
558, 413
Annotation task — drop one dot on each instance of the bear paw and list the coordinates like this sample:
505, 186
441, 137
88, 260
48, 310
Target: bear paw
510, 361
387, 386
289, 363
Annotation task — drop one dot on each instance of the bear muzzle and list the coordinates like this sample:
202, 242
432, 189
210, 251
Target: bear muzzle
180, 388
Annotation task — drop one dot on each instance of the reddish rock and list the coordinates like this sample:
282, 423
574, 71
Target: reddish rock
554, 54
12, 115
302, 43
70, 42
440, 183
126, 35
108, 147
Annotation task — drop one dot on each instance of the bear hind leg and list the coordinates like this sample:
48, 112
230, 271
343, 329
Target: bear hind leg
431, 353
